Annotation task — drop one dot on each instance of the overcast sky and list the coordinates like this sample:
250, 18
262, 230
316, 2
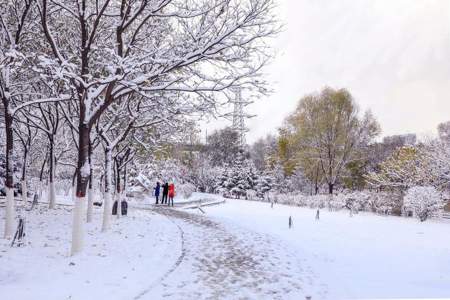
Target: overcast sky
392, 55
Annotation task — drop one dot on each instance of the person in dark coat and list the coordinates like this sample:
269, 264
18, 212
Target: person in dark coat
165, 193
157, 188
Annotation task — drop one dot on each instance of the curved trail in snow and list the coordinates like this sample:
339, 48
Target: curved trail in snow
222, 261
172, 269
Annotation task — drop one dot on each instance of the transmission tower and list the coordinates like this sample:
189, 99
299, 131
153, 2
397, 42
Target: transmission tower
239, 116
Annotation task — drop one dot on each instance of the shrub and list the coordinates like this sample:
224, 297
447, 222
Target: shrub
422, 201
187, 189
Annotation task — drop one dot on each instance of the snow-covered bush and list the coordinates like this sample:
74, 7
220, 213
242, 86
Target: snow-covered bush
422, 201
186, 190
317, 201
386, 203
356, 201
335, 202
288, 199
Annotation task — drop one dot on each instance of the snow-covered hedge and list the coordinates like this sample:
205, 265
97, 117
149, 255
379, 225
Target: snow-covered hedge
422, 202
379, 202
186, 190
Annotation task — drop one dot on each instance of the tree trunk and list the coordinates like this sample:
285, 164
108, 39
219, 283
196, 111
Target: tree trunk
24, 178
330, 188
316, 181
74, 177
51, 173
90, 203
101, 185
9, 176
41, 177
118, 191
124, 189
82, 180
107, 201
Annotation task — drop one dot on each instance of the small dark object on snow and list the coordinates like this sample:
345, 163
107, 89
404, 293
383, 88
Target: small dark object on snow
71, 263
317, 215
124, 206
308, 297
99, 204
290, 222
20, 233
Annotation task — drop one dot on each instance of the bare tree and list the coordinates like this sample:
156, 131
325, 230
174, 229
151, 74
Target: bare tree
19, 44
27, 137
47, 118
112, 49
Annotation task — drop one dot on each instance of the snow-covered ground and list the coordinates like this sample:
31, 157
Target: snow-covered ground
359, 257
119, 264
236, 250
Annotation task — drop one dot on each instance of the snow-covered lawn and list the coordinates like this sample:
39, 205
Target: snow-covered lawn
115, 265
359, 257
240, 249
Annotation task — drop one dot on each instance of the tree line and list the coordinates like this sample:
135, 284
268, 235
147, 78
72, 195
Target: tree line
328, 145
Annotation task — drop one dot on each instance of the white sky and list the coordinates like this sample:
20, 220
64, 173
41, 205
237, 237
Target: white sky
392, 55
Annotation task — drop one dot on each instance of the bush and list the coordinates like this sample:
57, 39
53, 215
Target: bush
187, 189
422, 201
386, 203
447, 207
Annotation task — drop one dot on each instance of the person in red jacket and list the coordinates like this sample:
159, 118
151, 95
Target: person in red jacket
171, 193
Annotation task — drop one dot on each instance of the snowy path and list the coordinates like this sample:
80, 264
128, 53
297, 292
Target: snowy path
218, 262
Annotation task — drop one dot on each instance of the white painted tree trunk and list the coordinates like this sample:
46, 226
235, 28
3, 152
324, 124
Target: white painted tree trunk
24, 192
51, 195
40, 185
9, 213
45, 190
74, 192
107, 193
90, 205
106, 212
78, 225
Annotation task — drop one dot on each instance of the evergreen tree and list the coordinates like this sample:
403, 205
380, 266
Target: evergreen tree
264, 185
238, 178
222, 181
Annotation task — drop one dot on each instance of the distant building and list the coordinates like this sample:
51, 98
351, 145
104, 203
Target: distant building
399, 140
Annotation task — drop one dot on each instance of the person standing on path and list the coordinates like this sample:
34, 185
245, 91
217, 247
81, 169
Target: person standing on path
165, 192
171, 192
157, 189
